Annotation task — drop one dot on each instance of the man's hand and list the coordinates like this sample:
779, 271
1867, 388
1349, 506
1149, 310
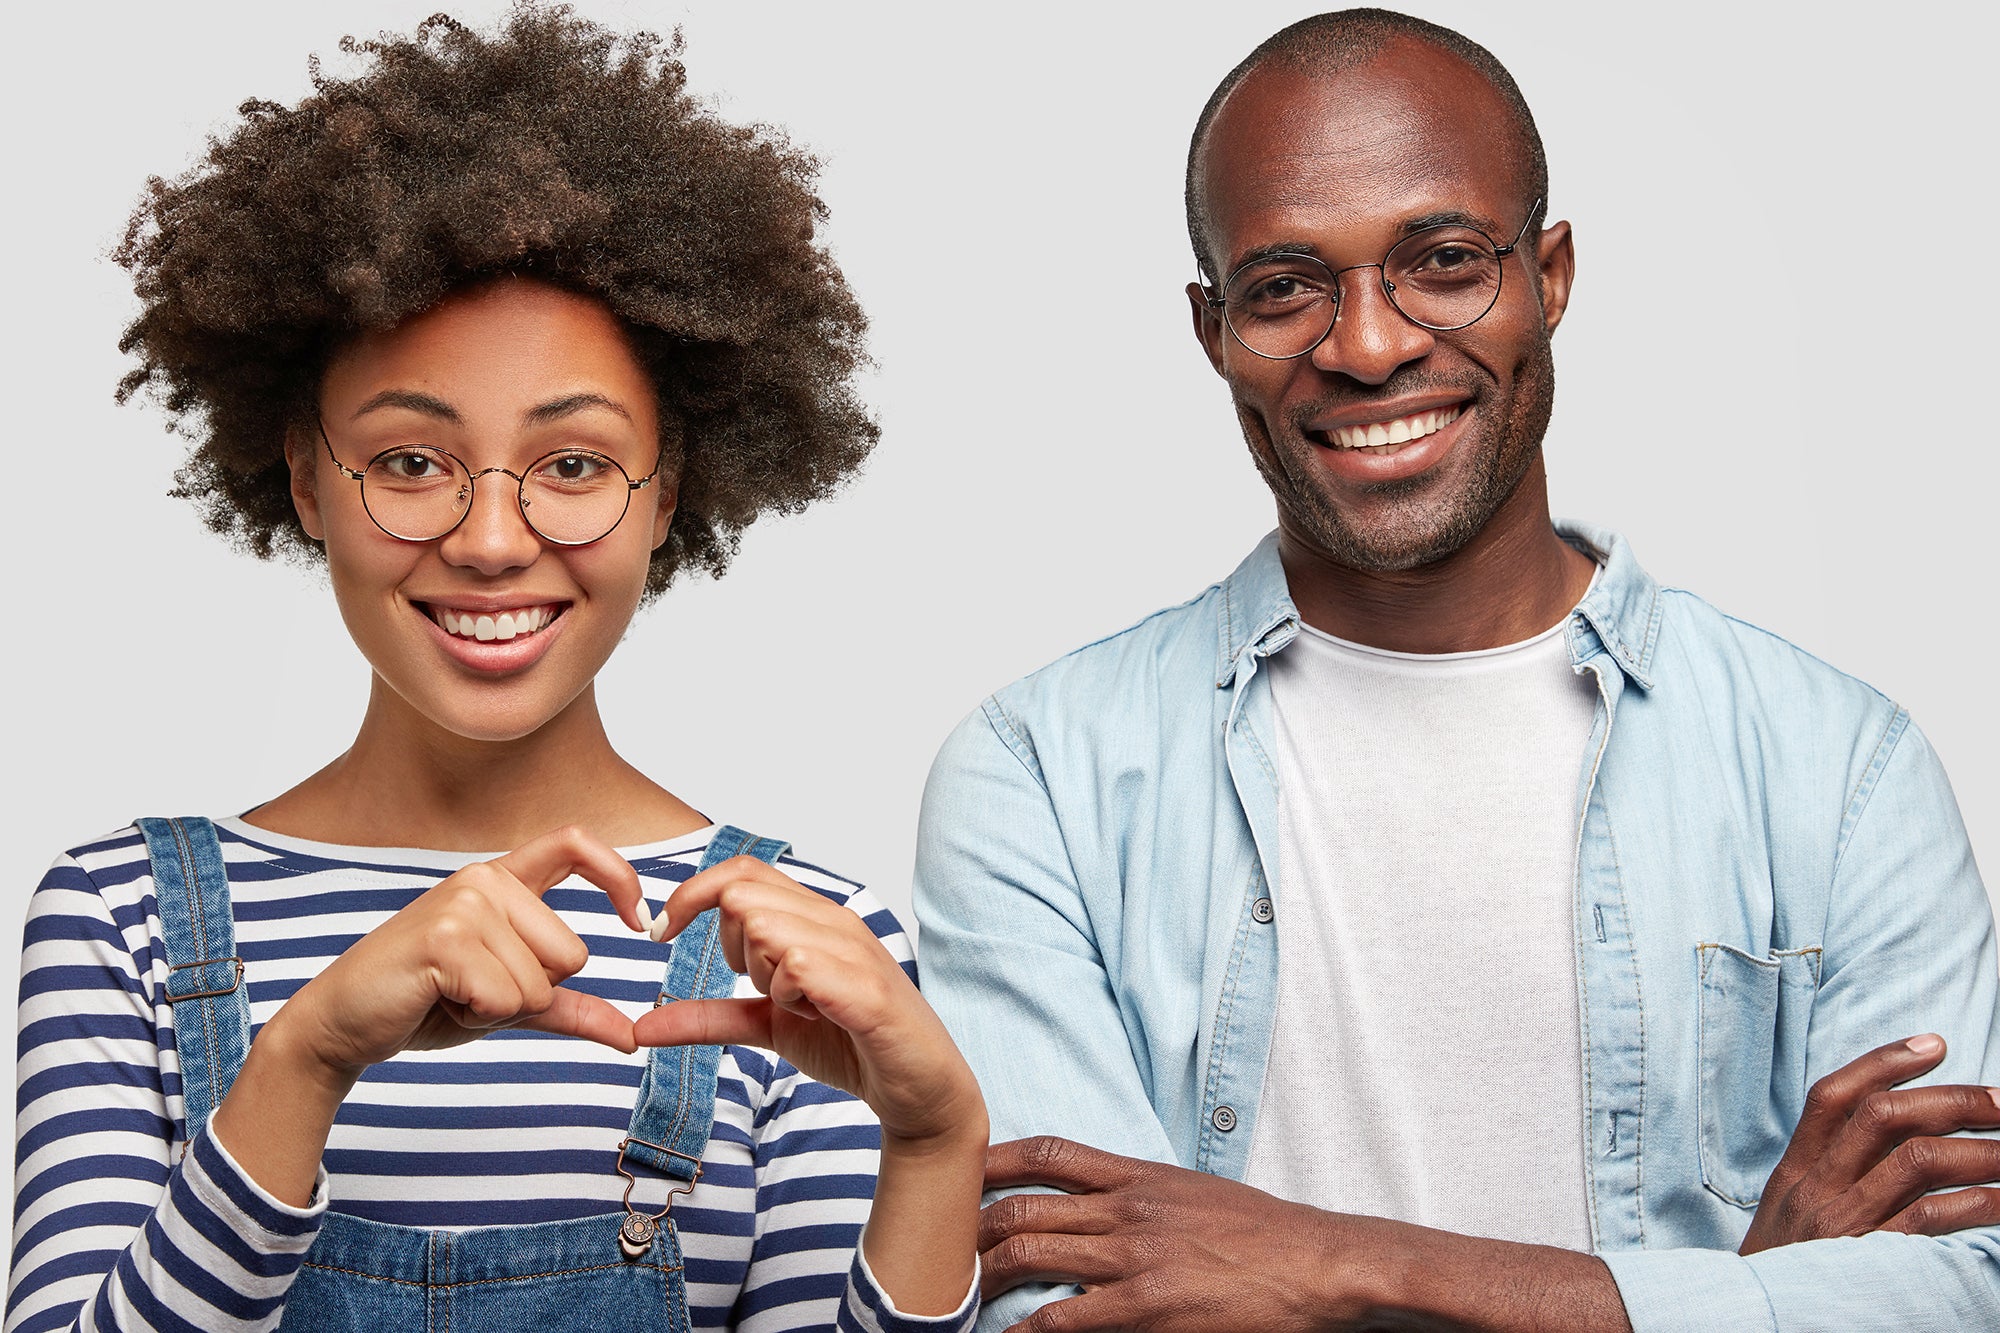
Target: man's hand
1866, 1158
1163, 1248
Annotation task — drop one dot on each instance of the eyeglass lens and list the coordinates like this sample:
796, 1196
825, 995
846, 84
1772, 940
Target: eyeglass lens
570, 498
1442, 278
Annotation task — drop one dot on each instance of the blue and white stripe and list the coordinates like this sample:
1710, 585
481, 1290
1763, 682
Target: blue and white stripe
518, 1127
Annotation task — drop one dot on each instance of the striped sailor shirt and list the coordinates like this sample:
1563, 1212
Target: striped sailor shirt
116, 1227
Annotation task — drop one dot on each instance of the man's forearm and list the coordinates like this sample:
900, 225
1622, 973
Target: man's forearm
1435, 1279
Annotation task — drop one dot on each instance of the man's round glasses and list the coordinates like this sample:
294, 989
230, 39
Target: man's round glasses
417, 493
1443, 278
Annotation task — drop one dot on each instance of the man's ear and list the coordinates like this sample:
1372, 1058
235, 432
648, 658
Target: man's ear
1556, 255
302, 457
1209, 330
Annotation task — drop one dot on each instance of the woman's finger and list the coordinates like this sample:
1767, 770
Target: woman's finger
733, 877
542, 863
478, 990
731, 1022
574, 1014
787, 986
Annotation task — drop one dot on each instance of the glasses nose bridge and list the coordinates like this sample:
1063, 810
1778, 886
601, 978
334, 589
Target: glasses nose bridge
519, 497
1381, 276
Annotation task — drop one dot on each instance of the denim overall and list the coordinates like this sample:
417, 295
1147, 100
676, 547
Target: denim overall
618, 1270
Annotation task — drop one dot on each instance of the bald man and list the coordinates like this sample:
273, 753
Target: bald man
1438, 923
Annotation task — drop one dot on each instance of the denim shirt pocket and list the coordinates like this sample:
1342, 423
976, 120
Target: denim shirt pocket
1752, 1058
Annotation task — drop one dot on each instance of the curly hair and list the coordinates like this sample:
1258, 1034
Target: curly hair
551, 149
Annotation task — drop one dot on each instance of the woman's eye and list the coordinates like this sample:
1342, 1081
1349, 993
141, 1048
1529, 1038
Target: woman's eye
574, 468
412, 466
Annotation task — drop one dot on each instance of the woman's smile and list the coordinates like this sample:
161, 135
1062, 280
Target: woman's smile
489, 630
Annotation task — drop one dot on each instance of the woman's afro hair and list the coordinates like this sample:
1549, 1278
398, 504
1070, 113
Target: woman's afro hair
552, 149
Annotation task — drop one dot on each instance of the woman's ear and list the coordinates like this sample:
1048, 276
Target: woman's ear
302, 457
663, 515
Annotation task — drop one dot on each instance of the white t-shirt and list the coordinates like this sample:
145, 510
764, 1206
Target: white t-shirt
1426, 1062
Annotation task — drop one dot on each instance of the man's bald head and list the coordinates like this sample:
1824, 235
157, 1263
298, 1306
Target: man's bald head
1328, 44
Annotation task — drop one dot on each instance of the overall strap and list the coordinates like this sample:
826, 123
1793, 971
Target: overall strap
204, 972
676, 1106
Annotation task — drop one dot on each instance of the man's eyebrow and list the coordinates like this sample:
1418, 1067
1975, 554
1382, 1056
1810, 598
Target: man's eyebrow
1450, 218
411, 401
557, 409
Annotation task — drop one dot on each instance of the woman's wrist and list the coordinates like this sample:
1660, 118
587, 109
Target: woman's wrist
279, 1111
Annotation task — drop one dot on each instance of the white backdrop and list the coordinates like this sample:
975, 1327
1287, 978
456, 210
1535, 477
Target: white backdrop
1772, 380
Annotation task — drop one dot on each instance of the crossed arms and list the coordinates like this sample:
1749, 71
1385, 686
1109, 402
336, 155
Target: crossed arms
1028, 977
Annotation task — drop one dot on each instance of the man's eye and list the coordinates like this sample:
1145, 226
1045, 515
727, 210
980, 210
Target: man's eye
1447, 258
1277, 293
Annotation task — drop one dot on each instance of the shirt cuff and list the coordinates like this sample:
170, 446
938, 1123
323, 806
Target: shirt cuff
869, 1309
227, 1189
1688, 1291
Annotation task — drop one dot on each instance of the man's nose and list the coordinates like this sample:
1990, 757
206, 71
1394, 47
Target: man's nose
494, 536
1370, 339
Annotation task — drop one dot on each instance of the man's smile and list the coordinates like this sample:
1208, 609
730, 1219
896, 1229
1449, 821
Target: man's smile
1380, 434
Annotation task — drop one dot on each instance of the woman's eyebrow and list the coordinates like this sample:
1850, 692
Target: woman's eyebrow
410, 400
557, 409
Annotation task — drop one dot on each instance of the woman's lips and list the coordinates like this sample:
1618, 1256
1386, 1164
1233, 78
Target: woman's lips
475, 638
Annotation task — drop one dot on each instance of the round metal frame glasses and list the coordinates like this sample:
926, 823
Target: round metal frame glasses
1442, 278
449, 491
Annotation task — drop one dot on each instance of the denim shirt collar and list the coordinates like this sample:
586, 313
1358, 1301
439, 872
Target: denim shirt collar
1619, 616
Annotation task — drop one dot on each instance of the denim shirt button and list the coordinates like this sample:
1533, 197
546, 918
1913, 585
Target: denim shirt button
1261, 911
1223, 1119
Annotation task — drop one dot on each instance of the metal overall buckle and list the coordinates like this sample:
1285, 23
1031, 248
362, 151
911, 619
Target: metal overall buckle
636, 1232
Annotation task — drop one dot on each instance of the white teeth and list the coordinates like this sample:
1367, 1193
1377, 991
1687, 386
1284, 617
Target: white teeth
494, 627
1400, 431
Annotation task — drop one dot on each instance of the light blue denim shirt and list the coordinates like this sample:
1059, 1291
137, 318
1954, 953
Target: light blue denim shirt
1772, 878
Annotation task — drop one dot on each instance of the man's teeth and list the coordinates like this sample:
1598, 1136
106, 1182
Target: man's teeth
1400, 431
488, 626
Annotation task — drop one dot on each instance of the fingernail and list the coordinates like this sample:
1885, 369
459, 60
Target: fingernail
657, 928
1928, 1044
1994, 1093
645, 916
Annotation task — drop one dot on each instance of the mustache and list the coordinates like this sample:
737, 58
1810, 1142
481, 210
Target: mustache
1303, 415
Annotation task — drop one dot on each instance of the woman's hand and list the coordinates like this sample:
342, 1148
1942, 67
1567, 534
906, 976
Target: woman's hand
478, 952
834, 1002
836, 1005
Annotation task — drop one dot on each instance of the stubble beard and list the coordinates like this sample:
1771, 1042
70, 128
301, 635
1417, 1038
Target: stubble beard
1423, 524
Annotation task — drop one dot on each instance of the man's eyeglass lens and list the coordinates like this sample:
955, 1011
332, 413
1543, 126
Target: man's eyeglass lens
1443, 278
571, 498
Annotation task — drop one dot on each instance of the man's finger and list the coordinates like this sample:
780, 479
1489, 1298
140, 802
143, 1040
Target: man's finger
1917, 1167
1833, 1098
1020, 1214
1063, 1163
734, 1022
1881, 1121
1105, 1308
1040, 1256
542, 863
1941, 1214
574, 1014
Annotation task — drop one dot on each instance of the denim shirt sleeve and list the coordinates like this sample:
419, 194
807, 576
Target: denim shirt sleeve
1010, 964
1909, 948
